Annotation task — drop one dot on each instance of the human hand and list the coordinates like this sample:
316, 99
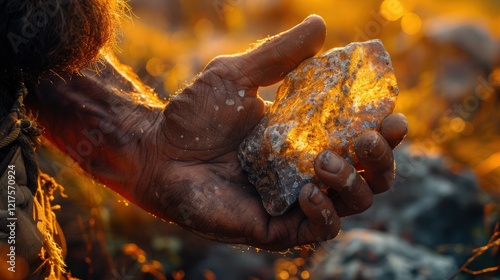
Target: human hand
196, 178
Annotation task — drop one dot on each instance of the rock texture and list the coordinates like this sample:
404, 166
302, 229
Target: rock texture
366, 254
325, 103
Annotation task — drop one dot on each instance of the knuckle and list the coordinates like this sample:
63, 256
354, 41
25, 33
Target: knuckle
219, 63
282, 57
361, 205
331, 232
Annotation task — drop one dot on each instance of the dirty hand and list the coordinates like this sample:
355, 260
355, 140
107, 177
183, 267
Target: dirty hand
202, 186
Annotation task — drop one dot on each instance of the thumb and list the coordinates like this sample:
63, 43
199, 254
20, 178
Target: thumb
280, 54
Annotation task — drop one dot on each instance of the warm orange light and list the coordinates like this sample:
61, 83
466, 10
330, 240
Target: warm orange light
411, 23
145, 268
141, 258
283, 275
298, 261
156, 66
392, 9
457, 125
209, 275
203, 29
178, 275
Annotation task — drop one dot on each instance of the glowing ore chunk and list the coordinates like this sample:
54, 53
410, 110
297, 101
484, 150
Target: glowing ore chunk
325, 103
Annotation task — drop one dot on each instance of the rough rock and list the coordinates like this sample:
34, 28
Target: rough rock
366, 254
325, 103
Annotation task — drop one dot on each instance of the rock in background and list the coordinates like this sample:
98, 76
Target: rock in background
367, 254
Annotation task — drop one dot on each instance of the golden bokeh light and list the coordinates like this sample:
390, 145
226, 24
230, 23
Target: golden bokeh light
292, 268
411, 23
283, 275
234, 17
457, 125
203, 29
145, 268
298, 261
178, 275
209, 275
392, 9
141, 258
156, 66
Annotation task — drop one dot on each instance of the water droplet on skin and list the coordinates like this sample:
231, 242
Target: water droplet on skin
229, 102
142, 131
241, 93
239, 108
182, 136
197, 139
217, 107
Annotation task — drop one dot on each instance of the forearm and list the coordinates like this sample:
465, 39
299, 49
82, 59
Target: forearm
101, 122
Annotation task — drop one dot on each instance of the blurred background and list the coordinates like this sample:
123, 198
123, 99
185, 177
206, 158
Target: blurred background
444, 206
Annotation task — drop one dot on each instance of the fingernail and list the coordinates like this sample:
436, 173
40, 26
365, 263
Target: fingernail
332, 163
315, 196
369, 145
375, 148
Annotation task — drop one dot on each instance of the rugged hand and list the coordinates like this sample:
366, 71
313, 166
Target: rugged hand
181, 163
199, 183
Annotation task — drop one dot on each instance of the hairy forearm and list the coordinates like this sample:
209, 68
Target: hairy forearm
102, 122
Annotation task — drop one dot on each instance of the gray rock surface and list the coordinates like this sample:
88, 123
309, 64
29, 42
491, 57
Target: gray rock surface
365, 254
326, 102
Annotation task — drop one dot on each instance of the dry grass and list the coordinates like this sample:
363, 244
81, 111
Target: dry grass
494, 244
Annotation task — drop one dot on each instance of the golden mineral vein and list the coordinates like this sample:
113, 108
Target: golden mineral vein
325, 103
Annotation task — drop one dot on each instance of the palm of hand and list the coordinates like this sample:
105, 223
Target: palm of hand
209, 119
212, 116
